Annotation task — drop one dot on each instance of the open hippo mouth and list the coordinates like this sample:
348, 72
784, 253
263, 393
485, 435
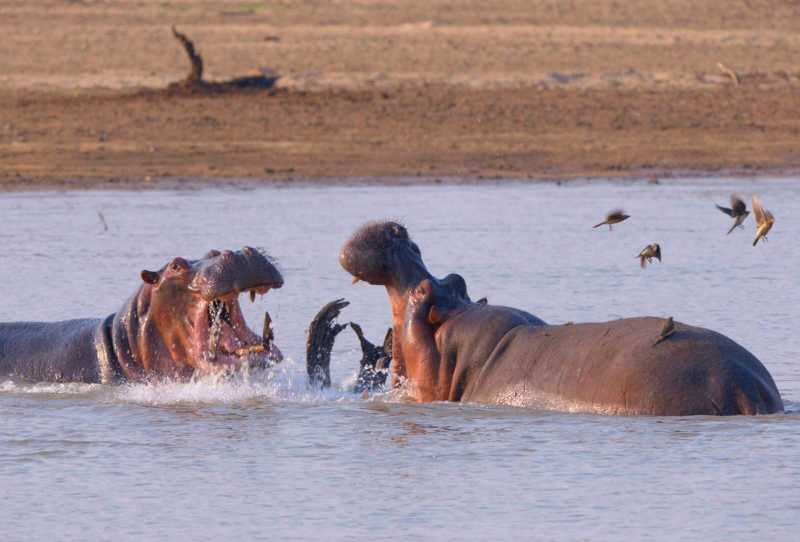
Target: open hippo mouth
222, 334
225, 337
196, 308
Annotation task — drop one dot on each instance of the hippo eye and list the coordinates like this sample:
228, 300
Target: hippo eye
178, 265
399, 231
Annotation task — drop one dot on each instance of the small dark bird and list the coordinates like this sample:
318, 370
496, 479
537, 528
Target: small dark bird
738, 212
614, 217
666, 331
648, 253
764, 220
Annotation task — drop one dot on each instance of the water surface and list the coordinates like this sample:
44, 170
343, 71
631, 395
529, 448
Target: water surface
268, 459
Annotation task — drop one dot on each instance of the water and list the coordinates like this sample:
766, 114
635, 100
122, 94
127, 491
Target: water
270, 460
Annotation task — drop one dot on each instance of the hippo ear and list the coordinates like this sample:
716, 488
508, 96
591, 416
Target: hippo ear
435, 316
150, 277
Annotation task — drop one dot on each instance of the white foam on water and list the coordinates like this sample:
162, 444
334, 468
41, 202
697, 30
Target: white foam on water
49, 388
286, 382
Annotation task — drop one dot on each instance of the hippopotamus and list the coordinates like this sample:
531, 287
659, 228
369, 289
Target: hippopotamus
448, 348
183, 320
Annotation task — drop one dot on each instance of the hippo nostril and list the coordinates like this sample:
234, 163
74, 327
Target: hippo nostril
227, 253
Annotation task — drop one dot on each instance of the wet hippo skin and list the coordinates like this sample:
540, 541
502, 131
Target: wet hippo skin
183, 320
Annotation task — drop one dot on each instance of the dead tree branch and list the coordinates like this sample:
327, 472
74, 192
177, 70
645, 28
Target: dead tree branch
195, 76
729, 72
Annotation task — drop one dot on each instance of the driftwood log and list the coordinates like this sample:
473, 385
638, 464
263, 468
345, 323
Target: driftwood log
194, 81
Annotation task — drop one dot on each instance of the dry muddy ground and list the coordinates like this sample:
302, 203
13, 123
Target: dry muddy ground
512, 88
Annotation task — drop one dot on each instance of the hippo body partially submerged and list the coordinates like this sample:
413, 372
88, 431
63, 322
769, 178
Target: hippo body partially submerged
448, 348
611, 367
183, 320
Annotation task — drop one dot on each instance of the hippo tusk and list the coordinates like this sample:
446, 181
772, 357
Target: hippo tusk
267, 335
356, 280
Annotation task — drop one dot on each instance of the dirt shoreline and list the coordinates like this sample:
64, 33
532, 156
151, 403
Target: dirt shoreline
372, 92
413, 131
135, 184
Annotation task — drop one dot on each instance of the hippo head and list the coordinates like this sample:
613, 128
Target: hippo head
186, 316
383, 253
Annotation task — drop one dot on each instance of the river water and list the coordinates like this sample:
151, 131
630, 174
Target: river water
268, 459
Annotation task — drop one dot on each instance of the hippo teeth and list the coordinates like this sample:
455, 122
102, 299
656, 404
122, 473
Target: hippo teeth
250, 349
267, 335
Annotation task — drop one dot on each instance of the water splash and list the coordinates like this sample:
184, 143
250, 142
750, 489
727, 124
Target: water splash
285, 382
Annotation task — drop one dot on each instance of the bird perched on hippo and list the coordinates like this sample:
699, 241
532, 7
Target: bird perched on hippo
448, 348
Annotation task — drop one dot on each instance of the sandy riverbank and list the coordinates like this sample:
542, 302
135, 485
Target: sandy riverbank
366, 89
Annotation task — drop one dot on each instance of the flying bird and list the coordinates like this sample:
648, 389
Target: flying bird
648, 253
614, 217
666, 331
738, 212
764, 220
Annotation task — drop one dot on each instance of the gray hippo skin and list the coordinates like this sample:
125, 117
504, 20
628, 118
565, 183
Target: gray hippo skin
184, 319
448, 348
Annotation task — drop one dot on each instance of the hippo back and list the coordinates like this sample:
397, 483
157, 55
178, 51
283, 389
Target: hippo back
50, 351
622, 367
